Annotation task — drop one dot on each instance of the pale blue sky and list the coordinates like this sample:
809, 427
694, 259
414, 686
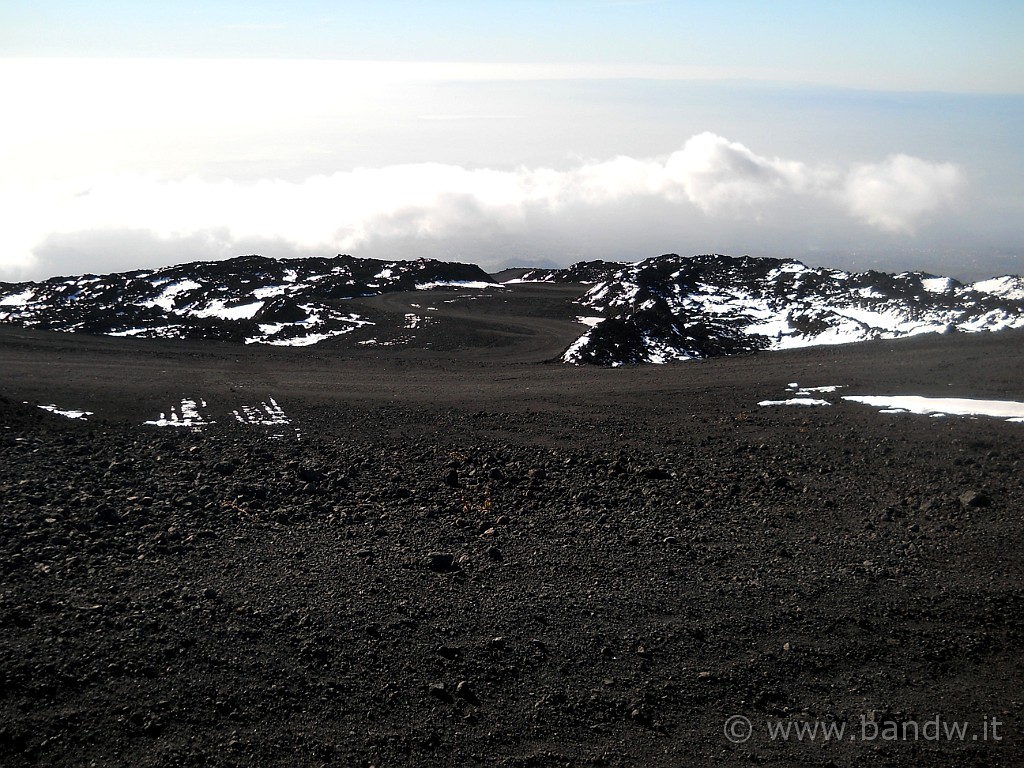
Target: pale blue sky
882, 134
907, 44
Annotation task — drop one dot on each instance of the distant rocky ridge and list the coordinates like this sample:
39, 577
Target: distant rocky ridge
252, 299
658, 310
580, 272
676, 308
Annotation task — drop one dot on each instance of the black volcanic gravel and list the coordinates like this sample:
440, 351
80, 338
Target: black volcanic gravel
471, 558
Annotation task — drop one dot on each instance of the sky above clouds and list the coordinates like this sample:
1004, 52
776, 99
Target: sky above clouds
868, 135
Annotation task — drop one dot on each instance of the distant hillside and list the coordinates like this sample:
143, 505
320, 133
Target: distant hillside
254, 299
580, 272
676, 308
658, 310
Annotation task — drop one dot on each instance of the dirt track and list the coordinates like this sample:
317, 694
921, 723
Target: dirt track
464, 555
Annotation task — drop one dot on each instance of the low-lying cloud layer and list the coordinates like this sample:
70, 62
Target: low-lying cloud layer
104, 223
897, 193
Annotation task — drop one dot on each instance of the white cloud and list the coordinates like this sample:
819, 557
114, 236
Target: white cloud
710, 177
897, 193
718, 175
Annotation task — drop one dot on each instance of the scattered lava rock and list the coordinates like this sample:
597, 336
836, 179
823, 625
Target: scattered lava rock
155, 610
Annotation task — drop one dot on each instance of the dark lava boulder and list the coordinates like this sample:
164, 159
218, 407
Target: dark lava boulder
281, 309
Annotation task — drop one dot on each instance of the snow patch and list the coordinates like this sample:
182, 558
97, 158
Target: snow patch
186, 415
70, 414
943, 406
269, 291
802, 390
455, 284
417, 321
219, 308
572, 354
266, 414
376, 343
306, 332
299, 341
158, 332
803, 396
937, 284
18, 299
167, 298
1008, 287
805, 401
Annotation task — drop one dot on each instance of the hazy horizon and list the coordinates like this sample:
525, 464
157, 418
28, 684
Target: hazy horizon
512, 134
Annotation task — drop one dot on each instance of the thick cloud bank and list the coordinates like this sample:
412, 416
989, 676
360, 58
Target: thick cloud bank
718, 175
100, 223
896, 194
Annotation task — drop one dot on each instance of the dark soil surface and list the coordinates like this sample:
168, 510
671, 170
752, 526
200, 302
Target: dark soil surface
459, 554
